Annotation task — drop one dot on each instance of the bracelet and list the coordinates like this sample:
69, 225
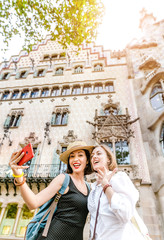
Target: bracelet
17, 176
21, 183
106, 186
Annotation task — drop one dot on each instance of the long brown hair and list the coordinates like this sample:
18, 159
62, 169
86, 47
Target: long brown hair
112, 160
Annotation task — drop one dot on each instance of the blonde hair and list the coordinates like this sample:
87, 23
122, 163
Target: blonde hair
112, 160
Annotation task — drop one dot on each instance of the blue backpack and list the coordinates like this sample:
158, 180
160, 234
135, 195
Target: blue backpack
43, 218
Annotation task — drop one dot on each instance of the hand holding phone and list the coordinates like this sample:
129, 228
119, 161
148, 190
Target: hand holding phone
28, 154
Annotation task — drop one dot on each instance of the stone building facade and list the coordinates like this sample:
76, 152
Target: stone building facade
53, 96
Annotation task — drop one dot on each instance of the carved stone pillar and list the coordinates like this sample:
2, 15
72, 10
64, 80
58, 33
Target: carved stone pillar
39, 93
71, 87
19, 95
81, 88
10, 94
17, 219
60, 90
92, 86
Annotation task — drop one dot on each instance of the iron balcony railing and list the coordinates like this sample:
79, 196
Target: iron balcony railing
35, 170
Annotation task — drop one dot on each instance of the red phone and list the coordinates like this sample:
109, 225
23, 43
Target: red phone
29, 154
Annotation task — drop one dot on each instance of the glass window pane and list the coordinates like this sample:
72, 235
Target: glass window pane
122, 152
76, 90
64, 119
109, 88
58, 119
157, 102
55, 92
15, 94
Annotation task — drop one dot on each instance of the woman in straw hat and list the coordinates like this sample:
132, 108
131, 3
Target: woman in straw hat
70, 217
112, 201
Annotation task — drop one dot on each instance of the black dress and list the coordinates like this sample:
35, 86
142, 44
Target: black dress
70, 217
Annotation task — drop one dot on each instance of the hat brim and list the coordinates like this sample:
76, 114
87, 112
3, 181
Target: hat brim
64, 156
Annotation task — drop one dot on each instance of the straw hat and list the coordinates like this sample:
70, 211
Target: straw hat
73, 147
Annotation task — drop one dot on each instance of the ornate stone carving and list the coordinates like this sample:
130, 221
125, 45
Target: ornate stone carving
71, 137
112, 127
62, 110
30, 139
149, 63
153, 76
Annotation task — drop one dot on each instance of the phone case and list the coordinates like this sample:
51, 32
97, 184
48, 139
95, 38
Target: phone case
29, 154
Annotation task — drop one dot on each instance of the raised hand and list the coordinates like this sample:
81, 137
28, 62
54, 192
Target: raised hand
104, 176
15, 158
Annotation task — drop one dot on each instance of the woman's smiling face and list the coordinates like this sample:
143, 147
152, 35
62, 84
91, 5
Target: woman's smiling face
78, 160
99, 159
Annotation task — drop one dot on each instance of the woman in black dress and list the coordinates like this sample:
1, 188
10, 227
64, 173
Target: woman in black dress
70, 217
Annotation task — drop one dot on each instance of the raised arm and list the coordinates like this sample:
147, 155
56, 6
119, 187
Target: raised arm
33, 200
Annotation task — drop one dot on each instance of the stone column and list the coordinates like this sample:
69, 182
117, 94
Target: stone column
103, 86
17, 219
60, 90
39, 94
29, 94
4, 205
71, 87
81, 86
92, 86
10, 94
19, 95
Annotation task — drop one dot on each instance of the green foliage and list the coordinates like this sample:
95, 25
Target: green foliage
121, 156
26, 213
12, 210
69, 21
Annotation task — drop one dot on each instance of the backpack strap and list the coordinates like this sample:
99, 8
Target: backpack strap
53, 205
88, 185
65, 183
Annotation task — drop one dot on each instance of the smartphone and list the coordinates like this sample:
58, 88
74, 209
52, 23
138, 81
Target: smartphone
29, 154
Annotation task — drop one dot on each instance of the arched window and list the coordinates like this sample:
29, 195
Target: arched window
35, 93
45, 92
60, 116
55, 92
87, 88
23, 74
66, 90
5, 95
98, 67
24, 94
157, 97
5, 76
98, 88
78, 69
76, 90
8, 221
109, 87
59, 71
15, 94
121, 151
